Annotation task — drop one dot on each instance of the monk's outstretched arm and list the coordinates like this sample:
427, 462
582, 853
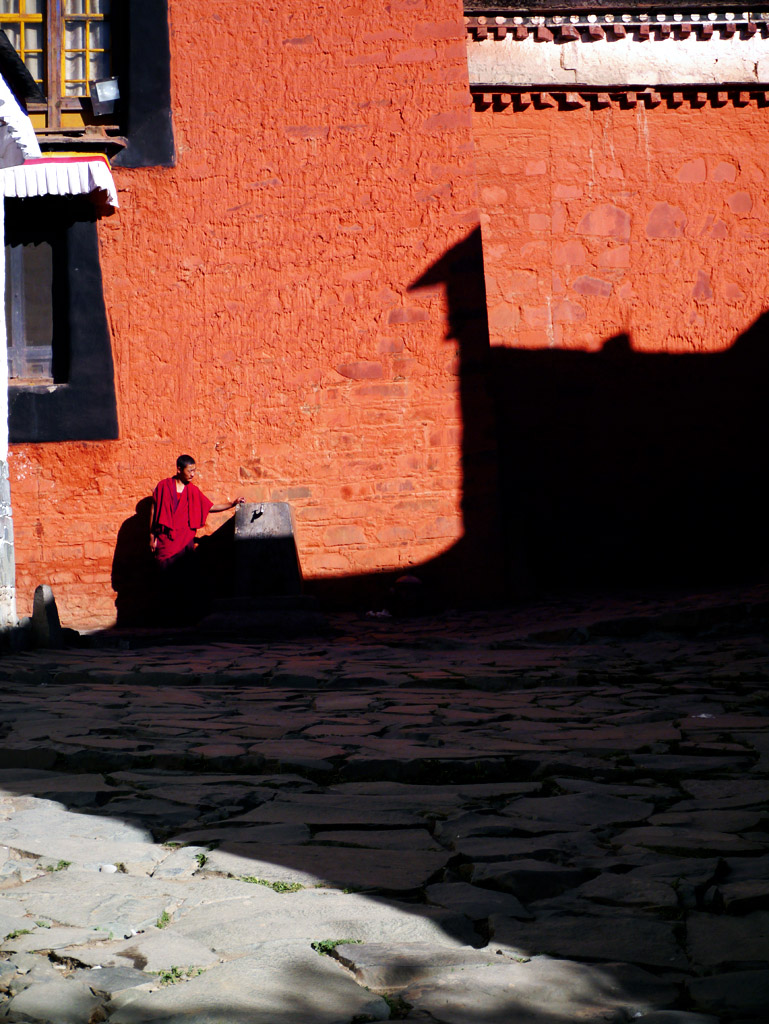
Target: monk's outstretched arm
225, 506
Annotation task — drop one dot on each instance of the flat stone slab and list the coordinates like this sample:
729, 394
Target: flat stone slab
437, 796
721, 940
687, 841
108, 982
267, 835
541, 990
74, 787
475, 902
317, 914
728, 793
529, 879
50, 938
344, 867
283, 983
676, 1017
46, 829
153, 950
114, 903
12, 917
629, 890
682, 765
321, 809
383, 839
66, 1002
709, 821
577, 846
577, 810
633, 939
738, 992
383, 967
742, 897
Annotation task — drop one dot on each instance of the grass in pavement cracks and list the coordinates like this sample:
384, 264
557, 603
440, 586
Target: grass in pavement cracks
175, 974
275, 886
61, 866
325, 946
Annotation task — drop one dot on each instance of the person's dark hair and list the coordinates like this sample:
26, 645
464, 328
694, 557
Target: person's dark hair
183, 461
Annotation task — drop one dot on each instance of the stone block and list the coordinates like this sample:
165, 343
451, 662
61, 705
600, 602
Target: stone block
266, 559
46, 628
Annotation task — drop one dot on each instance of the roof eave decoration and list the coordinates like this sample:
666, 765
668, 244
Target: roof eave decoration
62, 175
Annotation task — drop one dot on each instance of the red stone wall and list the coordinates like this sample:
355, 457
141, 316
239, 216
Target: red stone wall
258, 296
651, 221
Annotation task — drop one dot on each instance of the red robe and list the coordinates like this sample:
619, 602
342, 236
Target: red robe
175, 522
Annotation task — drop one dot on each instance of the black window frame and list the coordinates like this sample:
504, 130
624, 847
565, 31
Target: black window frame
84, 408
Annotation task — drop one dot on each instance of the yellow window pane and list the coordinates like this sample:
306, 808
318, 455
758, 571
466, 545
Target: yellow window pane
9, 6
74, 7
34, 62
74, 73
13, 31
98, 66
98, 32
33, 37
74, 35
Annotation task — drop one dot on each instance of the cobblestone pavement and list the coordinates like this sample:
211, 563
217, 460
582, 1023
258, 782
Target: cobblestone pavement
529, 817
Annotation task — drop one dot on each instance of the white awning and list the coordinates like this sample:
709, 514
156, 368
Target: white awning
17, 136
61, 175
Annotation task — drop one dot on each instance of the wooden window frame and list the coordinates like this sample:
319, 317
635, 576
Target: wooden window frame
22, 354
141, 51
60, 112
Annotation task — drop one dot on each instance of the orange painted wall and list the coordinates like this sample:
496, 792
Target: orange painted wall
258, 296
259, 293
651, 221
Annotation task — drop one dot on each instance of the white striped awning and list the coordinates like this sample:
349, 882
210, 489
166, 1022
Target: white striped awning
61, 175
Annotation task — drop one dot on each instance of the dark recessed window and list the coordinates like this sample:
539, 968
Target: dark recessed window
35, 311
62, 385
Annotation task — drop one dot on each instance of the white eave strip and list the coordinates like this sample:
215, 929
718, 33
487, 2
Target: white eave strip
61, 176
624, 61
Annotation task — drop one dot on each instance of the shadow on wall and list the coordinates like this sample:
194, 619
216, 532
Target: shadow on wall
132, 568
580, 470
599, 469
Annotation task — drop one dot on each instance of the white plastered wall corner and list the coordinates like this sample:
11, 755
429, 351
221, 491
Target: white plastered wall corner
17, 143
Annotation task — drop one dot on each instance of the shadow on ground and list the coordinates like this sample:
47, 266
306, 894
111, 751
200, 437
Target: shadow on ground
587, 798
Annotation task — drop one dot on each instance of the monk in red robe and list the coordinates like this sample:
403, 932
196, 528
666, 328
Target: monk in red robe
179, 510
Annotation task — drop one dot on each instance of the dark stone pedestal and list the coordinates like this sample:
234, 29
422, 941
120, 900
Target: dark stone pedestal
266, 559
267, 599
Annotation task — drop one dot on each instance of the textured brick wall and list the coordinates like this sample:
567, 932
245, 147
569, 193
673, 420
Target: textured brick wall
652, 222
258, 296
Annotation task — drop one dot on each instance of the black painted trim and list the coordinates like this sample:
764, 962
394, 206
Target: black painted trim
85, 408
144, 69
